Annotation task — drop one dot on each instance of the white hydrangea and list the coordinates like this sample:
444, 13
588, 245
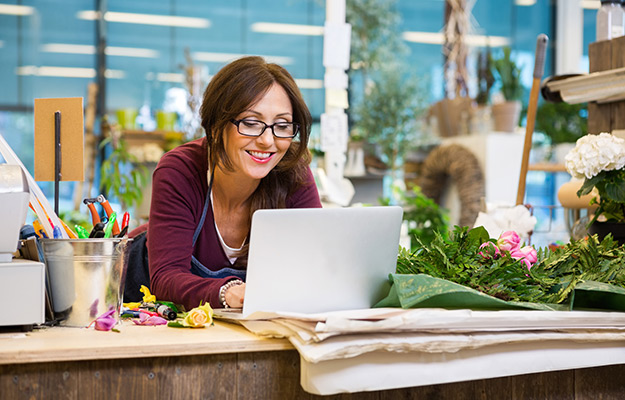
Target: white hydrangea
595, 153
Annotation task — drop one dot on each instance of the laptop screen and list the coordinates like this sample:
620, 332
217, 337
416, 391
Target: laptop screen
321, 259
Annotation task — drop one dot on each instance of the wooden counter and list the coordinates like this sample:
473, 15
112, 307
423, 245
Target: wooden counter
226, 362
74, 344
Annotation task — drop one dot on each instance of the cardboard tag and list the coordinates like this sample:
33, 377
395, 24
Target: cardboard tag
72, 138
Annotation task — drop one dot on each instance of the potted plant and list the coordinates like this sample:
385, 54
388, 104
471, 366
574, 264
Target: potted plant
563, 124
506, 114
481, 116
388, 115
600, 161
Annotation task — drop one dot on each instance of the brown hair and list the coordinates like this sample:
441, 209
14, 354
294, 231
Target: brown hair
230, 92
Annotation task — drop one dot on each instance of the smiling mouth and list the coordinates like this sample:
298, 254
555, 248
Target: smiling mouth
260, 156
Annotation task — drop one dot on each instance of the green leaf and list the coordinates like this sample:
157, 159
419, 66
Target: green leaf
615, 191
589, 184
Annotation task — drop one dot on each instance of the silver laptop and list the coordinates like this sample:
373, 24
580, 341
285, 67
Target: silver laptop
317, 260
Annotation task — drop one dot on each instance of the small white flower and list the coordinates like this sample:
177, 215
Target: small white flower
595, 153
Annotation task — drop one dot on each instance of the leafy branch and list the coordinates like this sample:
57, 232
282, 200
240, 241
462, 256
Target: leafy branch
550, 280
127, 186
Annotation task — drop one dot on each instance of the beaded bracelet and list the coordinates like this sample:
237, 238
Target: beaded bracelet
224, 288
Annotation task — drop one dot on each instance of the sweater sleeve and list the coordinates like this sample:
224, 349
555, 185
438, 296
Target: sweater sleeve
175, 211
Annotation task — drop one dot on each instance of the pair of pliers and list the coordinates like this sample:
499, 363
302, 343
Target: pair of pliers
95, 217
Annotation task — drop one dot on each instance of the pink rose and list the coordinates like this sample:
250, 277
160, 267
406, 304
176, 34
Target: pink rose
527, 254
489, 250
509, 241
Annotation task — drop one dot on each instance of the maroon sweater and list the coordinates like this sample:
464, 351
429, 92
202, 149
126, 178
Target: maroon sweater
179, 190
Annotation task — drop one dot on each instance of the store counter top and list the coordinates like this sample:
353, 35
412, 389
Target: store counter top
73, 344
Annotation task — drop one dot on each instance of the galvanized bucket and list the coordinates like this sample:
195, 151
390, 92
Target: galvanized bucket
86, 277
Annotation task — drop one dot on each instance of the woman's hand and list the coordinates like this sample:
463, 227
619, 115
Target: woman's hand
235, 295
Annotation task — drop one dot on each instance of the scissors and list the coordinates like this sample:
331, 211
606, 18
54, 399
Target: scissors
95, 217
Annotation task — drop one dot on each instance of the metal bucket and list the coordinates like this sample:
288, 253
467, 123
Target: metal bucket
86, 277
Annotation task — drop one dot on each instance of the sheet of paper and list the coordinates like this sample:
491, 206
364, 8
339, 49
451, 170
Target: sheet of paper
335, 79
72, 142
336, 43
336, 98
334, 131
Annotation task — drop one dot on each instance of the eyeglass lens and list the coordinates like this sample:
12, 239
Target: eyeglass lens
256, 128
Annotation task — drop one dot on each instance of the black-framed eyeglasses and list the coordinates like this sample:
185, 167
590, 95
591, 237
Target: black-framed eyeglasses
255, 128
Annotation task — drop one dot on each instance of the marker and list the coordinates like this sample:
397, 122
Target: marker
125, 220
39, 229
166, 312
57, 232
109, 226
130, 313
123, 232
82, 232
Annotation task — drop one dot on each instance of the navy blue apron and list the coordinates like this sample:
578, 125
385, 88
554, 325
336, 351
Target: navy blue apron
196, 267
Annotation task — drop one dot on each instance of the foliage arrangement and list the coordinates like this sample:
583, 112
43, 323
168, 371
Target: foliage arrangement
551, 279
600, 161
485, 77
120, 174
386, 100
509, 76
375, 37
389, 113
562, 122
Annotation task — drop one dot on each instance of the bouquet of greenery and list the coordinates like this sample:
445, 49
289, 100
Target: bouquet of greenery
600, 161
578, 275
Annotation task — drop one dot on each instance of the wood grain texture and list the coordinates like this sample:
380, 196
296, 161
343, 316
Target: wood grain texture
618, 61
73, 344
601, 383
600, 115
272, 375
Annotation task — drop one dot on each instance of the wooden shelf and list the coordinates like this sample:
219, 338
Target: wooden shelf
547, 167
136, 137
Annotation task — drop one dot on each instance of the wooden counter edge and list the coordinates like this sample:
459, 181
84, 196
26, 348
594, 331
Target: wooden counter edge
113, 347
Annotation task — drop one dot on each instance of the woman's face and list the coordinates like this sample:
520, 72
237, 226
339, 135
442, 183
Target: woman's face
254, 157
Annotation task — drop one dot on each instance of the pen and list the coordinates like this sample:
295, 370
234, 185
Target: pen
125, 220
57, 232
123, 232
130, 313
39, 229
148, 312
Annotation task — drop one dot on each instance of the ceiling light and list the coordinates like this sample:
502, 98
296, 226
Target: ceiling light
471, 40
590, 4
309, 83
89, 49
67, 72
16, 10
524, 2
147, 19
287, 29
227, 57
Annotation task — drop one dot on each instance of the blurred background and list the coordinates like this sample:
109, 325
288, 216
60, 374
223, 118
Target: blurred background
148, 62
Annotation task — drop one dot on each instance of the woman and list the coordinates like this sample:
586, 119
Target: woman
205, 191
